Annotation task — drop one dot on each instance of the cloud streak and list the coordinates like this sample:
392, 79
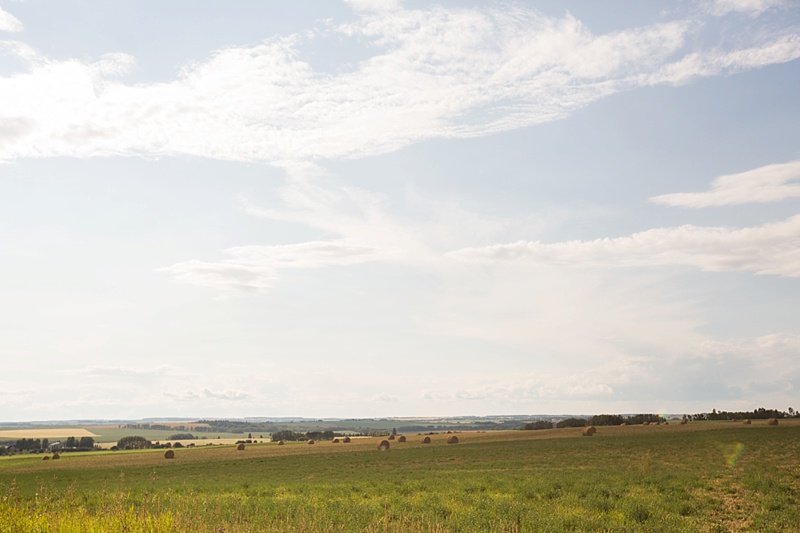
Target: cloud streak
254, 268
770, 183
768, 249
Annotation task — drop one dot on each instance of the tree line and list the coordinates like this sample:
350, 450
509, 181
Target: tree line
596, 420
756, 414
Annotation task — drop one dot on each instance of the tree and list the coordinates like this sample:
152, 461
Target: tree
133, 443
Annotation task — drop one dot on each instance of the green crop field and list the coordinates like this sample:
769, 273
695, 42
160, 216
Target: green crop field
698, 477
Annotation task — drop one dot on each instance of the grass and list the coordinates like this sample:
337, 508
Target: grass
700, 477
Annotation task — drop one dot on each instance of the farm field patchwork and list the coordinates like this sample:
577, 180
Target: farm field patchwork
699, 477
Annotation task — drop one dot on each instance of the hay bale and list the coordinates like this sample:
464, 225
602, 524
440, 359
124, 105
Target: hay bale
666, 423
56, 456
452, 439
311, 441
346, 439
588, 431
169, 454
426, 440
384, 445
280, 443
46, 458
391, 437
624, 424
683, 422
401, 438
240, 447
772, 422
335, 441
747, 422
645, 423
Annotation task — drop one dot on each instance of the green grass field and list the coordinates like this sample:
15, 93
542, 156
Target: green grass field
699, 477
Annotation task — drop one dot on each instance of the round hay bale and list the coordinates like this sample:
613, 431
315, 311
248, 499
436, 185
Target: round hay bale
426, 440
645, 423
384, 445
683, 422
311, 441
280, 443
747, 422
772, 422
240, 447
588, 431
452, 439
56, 456
169, 454
401, 438
391, 437
346, 439
335, 441
46, 458
666, 422
624, 424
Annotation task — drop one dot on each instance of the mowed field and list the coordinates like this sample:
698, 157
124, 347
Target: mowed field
700, 477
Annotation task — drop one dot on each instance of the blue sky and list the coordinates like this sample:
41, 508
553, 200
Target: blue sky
379, 208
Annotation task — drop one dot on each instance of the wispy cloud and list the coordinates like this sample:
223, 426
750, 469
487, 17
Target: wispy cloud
751, 7
229, 395
768, 249
9, 22
253, 268
769, 183
432, 73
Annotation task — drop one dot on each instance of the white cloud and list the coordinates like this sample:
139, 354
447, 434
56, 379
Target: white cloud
751, 7
9, 22
769, 183
254, 268
433, 73
768, 249
235, 396
777, 49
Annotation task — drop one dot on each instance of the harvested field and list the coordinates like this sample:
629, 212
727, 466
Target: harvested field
55, 433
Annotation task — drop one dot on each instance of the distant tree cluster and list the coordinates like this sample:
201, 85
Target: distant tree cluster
236, 426
320, 435
31, 445
182, 436
288, 435
572, 423
133, 442
756, 414
608, 420
635, 419
72, 444
538, 424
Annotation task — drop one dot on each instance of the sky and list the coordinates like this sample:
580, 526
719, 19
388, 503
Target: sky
379, 208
